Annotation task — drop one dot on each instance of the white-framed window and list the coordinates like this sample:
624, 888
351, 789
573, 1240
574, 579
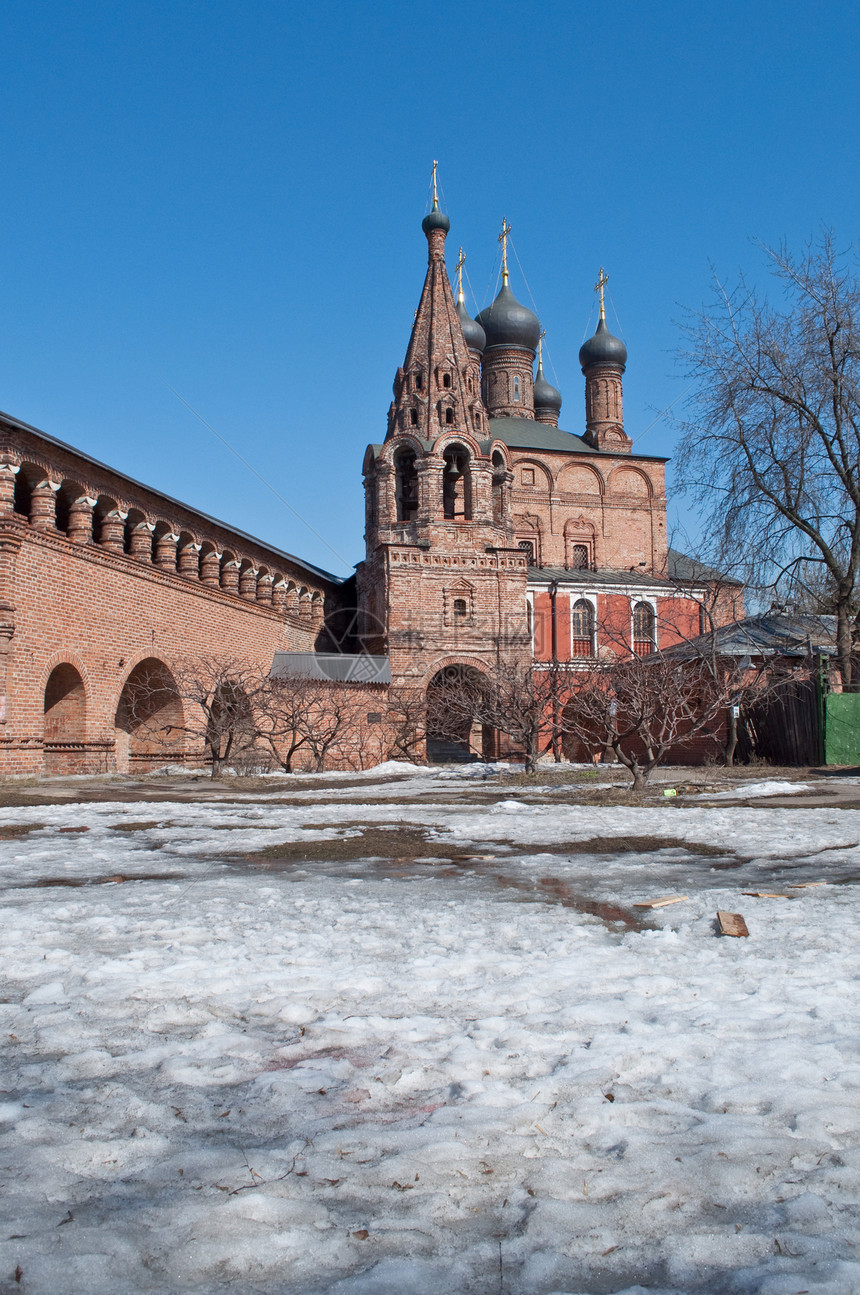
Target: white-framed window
582, 627
644, 627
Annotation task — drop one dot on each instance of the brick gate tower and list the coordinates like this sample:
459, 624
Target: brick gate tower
444, 580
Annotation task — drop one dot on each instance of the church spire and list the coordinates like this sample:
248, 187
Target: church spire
438, 388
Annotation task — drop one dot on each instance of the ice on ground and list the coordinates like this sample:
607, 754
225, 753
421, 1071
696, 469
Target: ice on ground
770, 787
449, 1075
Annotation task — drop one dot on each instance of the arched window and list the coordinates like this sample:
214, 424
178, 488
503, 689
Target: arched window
413, 417
461, 609
457, 484
449, 416
528, 547
643, 629
582, 628
516, 387
579, 557
406, 485
446, 379
499, 479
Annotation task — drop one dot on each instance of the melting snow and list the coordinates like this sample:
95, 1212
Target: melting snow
436, 1076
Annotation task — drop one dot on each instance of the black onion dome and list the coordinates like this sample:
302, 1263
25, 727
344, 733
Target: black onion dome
602, 348
476, 338
507, 323
546, 395
435, 219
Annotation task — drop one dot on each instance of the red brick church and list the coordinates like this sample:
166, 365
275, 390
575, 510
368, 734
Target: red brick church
490, 532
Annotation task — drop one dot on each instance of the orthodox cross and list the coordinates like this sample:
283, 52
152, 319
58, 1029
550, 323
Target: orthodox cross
540, 347
461, 261
503, 239
602, 280
435, 194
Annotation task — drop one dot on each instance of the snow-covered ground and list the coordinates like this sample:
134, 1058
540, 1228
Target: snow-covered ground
419, 1072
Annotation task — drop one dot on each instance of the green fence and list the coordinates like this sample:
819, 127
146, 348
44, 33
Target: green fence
842, 728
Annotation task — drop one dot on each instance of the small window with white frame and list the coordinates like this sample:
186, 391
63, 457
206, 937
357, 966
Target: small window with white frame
582, 628
644, 625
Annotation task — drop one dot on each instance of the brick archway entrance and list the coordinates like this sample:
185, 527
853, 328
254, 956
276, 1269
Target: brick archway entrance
454, 730
149, 723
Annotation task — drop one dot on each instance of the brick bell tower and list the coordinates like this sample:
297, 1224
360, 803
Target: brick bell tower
443, 582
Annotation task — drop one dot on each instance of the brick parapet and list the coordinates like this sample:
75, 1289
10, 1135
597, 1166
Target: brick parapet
57, 464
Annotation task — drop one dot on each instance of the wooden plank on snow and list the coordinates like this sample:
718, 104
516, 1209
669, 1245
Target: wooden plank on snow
766, 894
661, 903
731, 923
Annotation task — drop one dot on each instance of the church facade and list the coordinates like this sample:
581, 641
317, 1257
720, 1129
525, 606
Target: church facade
490, 531
491, 534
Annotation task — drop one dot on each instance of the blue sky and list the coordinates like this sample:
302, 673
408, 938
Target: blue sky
227, 198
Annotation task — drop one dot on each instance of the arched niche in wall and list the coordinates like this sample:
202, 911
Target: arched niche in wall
65, 724
149, 721
630, 482
579, 479
531, 475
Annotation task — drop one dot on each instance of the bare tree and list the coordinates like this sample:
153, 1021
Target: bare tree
284, 717
407, 723
642, 706
772, 449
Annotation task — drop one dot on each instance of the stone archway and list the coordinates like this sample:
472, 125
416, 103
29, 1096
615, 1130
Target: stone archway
65, 724
149, 722
454, 730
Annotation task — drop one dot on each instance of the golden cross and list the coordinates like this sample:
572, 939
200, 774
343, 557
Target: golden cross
503, 239
461, 261
602, 280
540, 347
435, 194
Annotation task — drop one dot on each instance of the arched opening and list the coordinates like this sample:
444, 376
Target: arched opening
643, 629
68, 492
406, 485
499, 479
26, 479
455, 732
457, 484
582, 628
149, 722
65, 724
